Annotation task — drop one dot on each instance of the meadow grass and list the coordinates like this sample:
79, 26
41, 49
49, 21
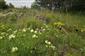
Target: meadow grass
30, 32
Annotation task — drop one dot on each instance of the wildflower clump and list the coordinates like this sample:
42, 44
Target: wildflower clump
14, 49
12, 36
49, 44
58, 24
33, 31
34, 36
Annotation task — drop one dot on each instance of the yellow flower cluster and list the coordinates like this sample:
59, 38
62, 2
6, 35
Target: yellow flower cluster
83, 30
59, 24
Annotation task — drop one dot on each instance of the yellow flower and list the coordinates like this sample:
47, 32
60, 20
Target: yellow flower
59, 23
82, 30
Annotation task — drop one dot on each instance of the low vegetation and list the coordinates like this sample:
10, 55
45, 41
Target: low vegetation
30, 32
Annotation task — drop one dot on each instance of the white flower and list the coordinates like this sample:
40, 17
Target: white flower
34, 36
1, 37
53, 47
9, 29
47, 42
14, 49
31, 30
11, 36
35, 31
24, 30
15, 32
43, 29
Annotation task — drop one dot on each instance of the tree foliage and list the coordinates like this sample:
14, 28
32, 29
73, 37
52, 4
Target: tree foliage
3, 4
61, 4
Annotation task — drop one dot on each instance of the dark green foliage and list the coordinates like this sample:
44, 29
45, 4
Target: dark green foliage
3, 4
35, 6
62, 4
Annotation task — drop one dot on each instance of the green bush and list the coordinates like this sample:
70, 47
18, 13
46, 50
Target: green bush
3, 4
